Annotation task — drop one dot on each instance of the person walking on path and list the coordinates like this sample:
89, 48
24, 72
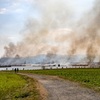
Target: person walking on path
15, 70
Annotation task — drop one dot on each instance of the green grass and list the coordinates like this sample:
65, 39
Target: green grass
86, 77
16, 87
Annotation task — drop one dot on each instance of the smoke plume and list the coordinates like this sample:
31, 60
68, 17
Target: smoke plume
50, 34
88, 39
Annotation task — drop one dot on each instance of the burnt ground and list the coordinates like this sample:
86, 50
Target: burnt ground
60, 89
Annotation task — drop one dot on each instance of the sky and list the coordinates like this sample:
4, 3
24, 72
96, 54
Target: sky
15, 13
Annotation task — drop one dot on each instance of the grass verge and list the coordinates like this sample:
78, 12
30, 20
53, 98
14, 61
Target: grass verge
16, 87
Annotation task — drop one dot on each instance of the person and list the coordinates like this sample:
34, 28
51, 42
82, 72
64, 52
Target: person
15, 70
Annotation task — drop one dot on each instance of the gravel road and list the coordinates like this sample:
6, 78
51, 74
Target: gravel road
59, 89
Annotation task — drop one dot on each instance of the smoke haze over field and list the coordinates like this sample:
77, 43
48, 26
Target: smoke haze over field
89, 40
48, 33
55, 31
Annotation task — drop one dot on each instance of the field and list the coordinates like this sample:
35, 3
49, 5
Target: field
86, 77
16, 87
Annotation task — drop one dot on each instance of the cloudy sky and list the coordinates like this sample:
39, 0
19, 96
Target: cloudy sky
15, 13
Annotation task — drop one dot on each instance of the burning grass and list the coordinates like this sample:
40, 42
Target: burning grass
86, 77
15, 87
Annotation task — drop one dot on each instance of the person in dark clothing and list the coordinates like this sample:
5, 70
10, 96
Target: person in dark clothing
15, 70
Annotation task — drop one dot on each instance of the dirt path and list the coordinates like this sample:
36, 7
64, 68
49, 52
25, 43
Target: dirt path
59, 89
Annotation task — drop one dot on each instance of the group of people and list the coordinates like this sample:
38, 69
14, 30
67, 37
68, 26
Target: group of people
16, 70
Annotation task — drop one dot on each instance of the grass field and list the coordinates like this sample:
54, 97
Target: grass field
86, 77
16, 87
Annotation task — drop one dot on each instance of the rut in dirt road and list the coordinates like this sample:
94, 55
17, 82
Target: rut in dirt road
59, 89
